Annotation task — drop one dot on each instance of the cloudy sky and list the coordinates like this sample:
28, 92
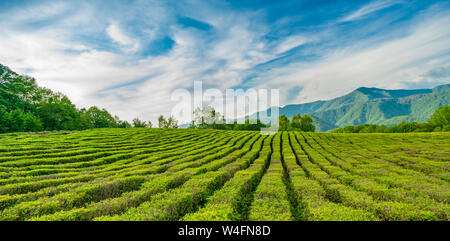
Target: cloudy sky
128, 56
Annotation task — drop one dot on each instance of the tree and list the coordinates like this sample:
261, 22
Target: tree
296, 122
446, 128
162, 122
58, 114
137, 123
124, 124
16, 120
283, 123
4, 121
192, 125
307, 124
441, 117
405, 127
171, 123
121, 124
302, 123
24, 106
31, 122
101, 118
208, 117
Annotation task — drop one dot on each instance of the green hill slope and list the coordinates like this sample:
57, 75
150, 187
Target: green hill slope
372, 106
358, 96
386, 111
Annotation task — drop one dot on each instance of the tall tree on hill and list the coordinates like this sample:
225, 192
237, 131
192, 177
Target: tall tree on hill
137, 123
441, 117
296, 122
101, 118
4, 122
283, 123
58, 114
302, 123
32, 123
122, 124
171, 123
162, 122
307, 124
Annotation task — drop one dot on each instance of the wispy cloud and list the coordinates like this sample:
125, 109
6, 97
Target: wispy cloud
290, 43
118, 36
397, 63
372, 7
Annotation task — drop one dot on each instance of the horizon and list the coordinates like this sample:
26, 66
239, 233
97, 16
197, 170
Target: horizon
129, 62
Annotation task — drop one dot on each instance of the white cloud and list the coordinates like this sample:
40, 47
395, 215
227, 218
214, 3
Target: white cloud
117, 35
369, 8
100, 77
397, 63
25, 12
241, 49
290, 43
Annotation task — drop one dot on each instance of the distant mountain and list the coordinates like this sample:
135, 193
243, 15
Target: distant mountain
441, 88
371, 106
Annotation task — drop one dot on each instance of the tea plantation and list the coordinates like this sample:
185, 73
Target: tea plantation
156, 174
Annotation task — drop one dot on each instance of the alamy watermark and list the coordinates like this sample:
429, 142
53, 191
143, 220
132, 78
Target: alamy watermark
233, 105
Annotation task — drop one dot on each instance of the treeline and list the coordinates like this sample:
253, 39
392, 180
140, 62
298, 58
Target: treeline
208, 118
296, 123
230, 126
24, 106
439, 121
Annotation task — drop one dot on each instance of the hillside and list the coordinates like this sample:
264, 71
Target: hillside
362, 94
372, 106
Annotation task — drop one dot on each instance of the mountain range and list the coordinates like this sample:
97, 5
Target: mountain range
371, 106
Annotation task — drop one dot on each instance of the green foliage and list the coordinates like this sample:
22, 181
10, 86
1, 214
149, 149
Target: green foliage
208, 118
161, 121
441, 117
297, 123
306, 124
17, 121
100, 118
283, 123
166, 174
439, 121
137, 123
4, 120
271, 200
170, 122
124, 124
24, 106
32, 123
58, 114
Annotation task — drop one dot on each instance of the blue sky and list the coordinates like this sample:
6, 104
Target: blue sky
128, 56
